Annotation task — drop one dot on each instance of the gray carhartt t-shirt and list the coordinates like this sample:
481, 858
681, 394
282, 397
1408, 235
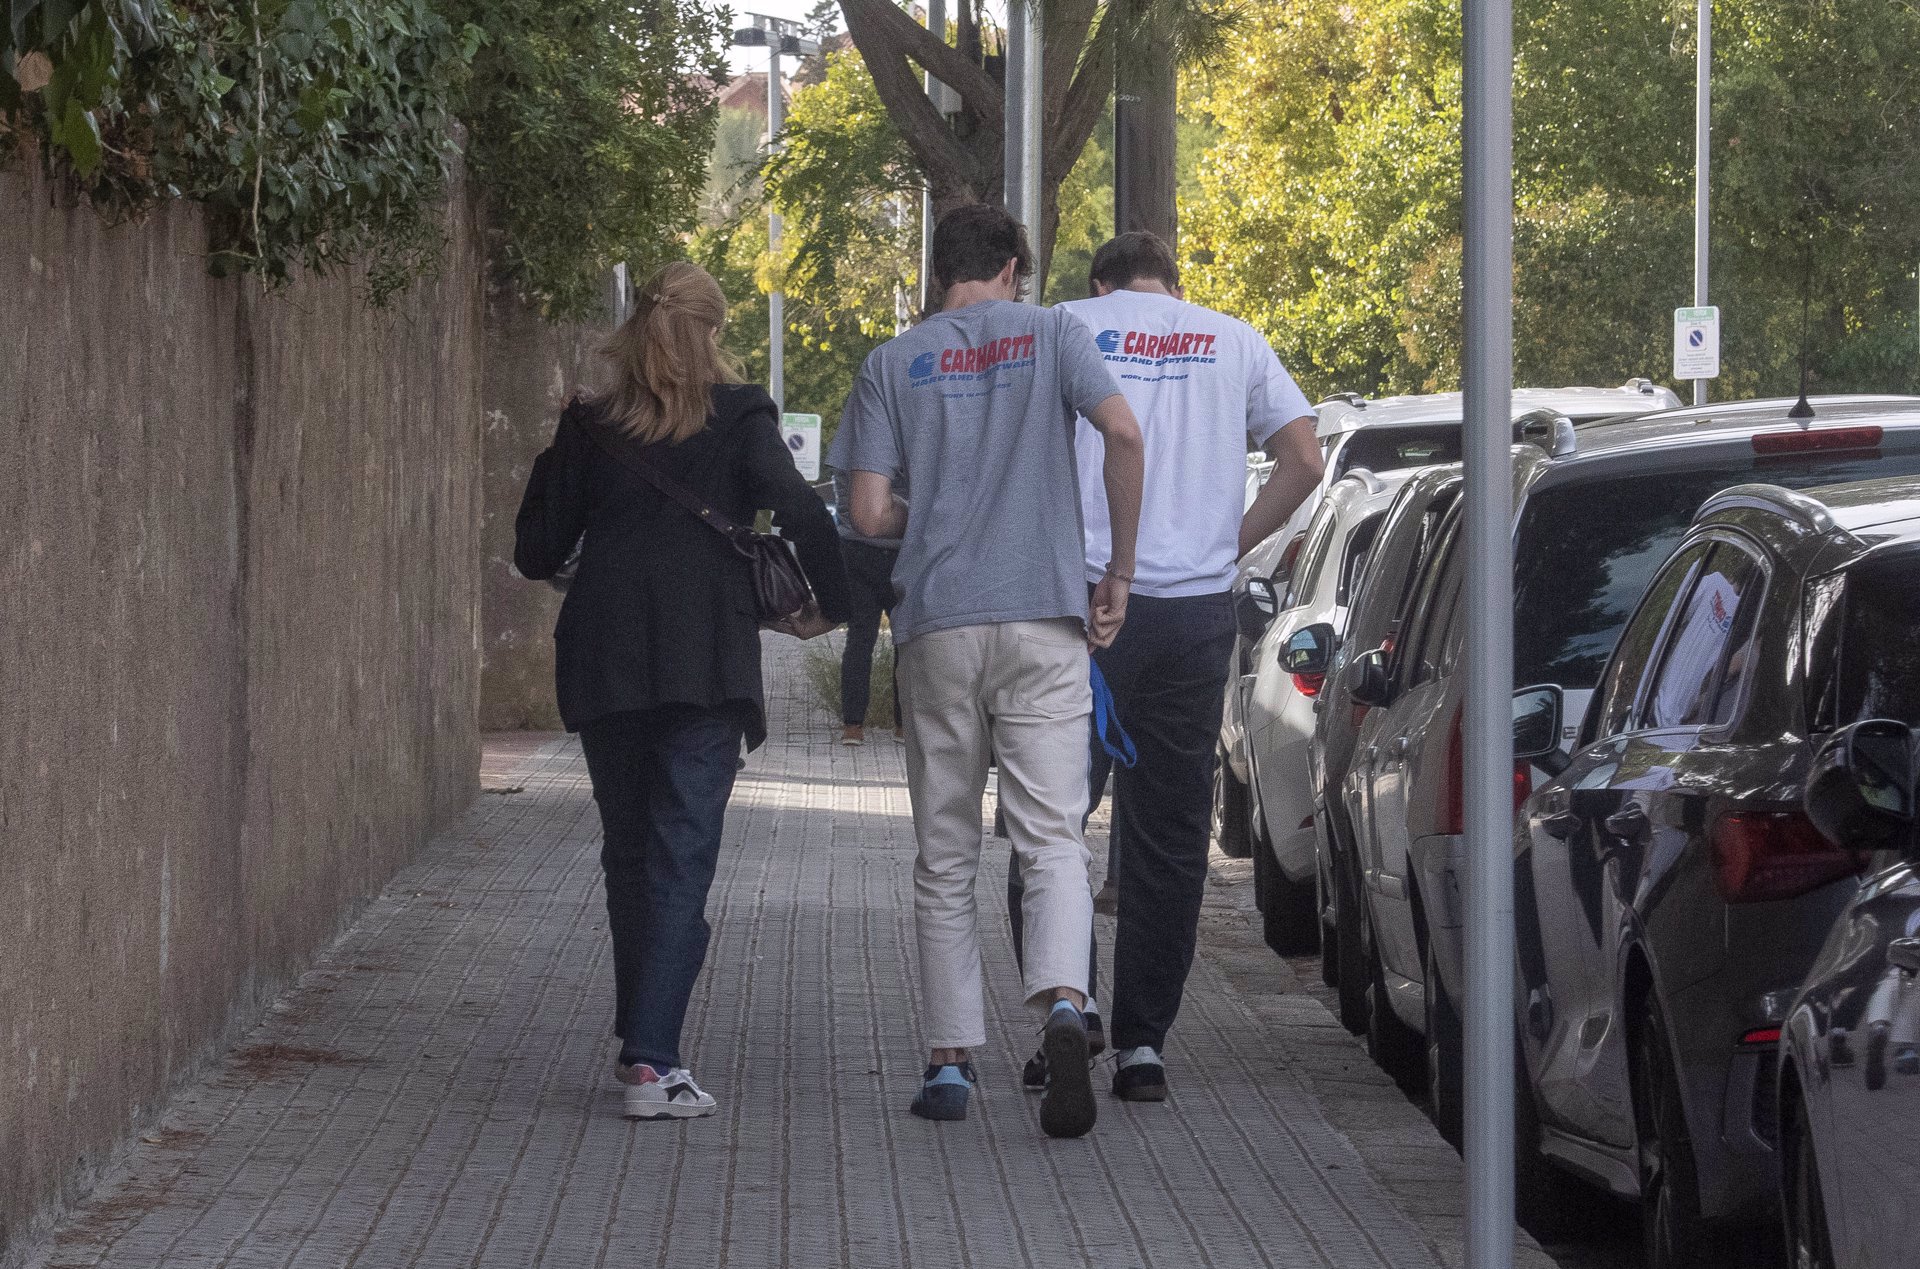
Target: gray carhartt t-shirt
975, 409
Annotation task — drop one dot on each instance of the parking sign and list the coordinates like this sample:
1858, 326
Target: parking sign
802, 435
1696, 343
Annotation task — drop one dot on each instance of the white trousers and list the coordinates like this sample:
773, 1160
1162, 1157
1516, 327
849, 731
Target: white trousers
1014, 693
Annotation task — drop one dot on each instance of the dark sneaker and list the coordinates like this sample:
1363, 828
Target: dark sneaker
1033, 1077
1140, 1076
1067, 1109
943, 1092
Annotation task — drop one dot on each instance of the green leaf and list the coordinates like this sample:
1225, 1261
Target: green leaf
78, 134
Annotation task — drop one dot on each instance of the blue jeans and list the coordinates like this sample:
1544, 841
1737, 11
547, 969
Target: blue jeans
661, 778
1168, 670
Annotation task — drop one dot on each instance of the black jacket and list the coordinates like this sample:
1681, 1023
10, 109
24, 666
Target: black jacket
661, 611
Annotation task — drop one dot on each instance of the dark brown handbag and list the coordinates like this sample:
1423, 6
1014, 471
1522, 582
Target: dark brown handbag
780, 589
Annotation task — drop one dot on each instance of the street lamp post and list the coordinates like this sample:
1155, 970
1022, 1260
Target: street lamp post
778, 36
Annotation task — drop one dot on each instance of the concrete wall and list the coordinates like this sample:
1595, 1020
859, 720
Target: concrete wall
238, 647
531, 369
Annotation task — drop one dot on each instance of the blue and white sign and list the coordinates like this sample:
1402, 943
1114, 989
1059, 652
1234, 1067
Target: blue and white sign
801, 432
1696, 343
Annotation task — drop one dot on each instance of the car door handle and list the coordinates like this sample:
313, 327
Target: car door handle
1400, 746
1560, 824
1630, 822
1904, 954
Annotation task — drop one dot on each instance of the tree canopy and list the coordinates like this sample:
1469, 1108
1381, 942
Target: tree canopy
1329, 209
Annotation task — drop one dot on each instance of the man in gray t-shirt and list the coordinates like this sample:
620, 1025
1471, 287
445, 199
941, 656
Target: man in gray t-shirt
976, 409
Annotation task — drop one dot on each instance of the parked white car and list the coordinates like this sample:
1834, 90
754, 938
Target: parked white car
1277, 707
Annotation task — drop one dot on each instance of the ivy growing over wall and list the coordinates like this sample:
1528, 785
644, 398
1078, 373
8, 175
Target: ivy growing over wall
319, 132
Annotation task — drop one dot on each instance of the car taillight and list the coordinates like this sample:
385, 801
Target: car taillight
1309, 684
1762, 855
1453, 798
1763, 1037
1811, 441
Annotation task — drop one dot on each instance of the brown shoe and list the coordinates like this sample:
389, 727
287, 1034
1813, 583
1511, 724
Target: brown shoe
853, 734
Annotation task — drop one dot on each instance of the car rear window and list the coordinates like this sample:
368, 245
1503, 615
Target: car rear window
1398, 448
1586, 551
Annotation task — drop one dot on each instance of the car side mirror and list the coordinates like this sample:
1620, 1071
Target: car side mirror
1860, 792
1255, 608
1538, 713
1309, 650
1369, 685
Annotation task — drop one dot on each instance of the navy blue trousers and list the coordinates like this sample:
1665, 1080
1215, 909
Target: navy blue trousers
1168, 673
661, 778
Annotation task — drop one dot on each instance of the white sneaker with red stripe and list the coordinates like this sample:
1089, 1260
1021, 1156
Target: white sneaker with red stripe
672, 1095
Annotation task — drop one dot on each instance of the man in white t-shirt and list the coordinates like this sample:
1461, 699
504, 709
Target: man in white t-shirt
1202, 385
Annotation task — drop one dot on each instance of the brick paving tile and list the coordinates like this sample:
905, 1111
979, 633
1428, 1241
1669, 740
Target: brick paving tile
437, 1090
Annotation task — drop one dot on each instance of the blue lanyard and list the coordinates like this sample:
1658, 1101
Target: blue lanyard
1105, 719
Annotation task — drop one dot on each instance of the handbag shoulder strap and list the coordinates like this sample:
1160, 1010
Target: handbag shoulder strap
659, 480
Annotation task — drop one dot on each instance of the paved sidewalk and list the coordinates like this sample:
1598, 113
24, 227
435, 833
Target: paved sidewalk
437, 1090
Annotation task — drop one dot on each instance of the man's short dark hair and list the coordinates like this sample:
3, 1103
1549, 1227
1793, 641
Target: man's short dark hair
1133, 257
973, 243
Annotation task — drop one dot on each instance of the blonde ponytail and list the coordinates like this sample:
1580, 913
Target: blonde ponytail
666, 358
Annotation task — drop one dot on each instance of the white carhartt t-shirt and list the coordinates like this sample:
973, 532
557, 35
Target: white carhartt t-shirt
1200, 383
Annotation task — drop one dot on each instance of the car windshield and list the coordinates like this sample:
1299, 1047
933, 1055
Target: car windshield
1879, 658
1398, 448
1586, 550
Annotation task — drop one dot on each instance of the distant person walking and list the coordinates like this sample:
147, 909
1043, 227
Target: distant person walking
1202, 384
657, 647
870, 564
975, 407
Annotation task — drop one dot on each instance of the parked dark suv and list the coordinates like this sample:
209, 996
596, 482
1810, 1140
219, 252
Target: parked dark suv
1849, 1064
1598, 508
1671, 892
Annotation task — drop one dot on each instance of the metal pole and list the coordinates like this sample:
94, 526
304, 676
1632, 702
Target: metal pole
937, 93
776, 301
1012, 167
1702, 162
1032, 106
1488, 724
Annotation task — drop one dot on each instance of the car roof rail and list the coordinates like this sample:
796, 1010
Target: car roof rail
1353, 399
1637, 384
1549, 429
1809, 513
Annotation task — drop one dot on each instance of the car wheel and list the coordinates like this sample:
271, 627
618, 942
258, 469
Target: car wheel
1446, 1052
1808, 1243
1231, 811
1395, 1047
1352, 987
1289, 918
1323, 900
1547, 1201
1673, 1233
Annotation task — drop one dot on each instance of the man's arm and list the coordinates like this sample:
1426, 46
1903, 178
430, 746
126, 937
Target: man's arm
875, 511
1124, 471
1297, 468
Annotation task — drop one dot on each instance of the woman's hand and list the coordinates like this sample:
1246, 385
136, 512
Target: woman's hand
805, 624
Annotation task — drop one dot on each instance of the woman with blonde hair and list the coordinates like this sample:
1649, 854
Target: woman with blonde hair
658, 643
